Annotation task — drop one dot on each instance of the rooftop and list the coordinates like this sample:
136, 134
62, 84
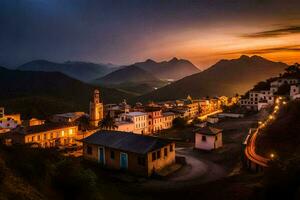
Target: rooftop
70, 115
42, 128
126, 141
209, 130
168, 113
136, 113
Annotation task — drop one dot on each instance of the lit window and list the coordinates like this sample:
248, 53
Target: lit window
70, 132
62, 133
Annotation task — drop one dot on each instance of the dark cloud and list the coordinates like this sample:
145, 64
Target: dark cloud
274, 33
291, 48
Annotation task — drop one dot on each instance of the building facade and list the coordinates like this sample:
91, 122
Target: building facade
45, 135
208, 138
136, 120
138, 154
96, 109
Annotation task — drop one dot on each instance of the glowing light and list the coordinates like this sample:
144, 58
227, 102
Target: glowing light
284, 103
272, 155
271, 117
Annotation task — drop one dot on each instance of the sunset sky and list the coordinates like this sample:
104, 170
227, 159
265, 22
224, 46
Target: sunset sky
127, 31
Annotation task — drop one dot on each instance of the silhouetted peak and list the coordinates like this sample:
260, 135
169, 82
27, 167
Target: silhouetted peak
174, 60
244, 57
150, 61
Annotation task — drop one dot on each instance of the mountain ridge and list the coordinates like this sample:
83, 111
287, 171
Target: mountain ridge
226, 77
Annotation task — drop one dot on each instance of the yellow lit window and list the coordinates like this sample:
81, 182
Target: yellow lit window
62, 133
70, 132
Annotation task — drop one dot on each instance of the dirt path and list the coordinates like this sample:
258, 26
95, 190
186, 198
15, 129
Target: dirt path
196, 171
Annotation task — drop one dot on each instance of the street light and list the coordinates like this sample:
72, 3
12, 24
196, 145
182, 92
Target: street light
272, 155
284, 103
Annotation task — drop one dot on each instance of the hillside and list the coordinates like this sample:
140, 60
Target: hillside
131, 79
226, 77
131, 74
42, 93
173, 69
83, 71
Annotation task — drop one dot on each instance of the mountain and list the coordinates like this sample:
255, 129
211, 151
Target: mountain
131, 79
83, 71
226, 77
132, 74
40, 94
173, 69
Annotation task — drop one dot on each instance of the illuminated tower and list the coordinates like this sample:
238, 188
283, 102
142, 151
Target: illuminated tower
96, 109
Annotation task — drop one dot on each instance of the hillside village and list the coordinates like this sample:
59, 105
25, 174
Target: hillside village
160, 139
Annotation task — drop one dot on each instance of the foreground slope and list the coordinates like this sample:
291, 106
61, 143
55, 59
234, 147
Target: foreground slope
227, 77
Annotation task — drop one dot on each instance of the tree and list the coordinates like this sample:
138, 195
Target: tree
293, 69
84, 122
107, 123
179, 122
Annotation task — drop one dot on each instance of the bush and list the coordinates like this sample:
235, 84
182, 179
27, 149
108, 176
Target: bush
179, 122
74, 181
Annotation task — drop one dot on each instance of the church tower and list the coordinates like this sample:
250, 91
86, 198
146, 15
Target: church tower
96, 109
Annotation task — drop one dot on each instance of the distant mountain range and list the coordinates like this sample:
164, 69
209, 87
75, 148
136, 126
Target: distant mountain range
132, 79
226, 77
84, 71
40, 94
132, 74
173, 69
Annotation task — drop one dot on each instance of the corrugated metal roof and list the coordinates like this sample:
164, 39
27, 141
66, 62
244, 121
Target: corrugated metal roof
126, 141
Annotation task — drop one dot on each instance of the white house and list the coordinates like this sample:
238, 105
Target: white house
258, 99
208, 138
139, 120
295, 91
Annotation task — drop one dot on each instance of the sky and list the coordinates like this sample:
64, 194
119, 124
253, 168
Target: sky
127, 31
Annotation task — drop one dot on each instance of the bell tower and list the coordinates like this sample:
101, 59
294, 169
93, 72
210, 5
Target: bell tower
96, 109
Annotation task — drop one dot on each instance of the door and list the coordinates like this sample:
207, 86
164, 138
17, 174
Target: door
101, 154
123, 160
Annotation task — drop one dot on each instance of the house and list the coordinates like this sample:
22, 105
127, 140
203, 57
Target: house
1, 112
295, 91
138, 119
45, 135
208, 138
67, 117
159, 120
258, 99
212, 119
34, 122
138, 154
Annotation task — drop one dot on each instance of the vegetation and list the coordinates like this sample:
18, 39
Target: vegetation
40, 94
281, 137
179, 122
107, 123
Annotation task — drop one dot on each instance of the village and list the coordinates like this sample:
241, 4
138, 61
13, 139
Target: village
180, 140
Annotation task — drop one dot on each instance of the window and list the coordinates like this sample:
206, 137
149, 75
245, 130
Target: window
153, 156
171, 147
45, 136
158, 154
112, 155
38, 138
165, 152
203, 138
89, 150
141, 161
51, 135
